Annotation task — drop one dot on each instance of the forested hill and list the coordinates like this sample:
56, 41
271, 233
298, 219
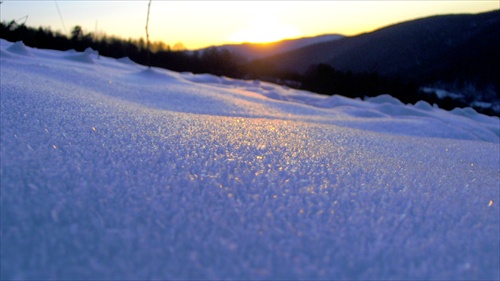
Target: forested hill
460, 45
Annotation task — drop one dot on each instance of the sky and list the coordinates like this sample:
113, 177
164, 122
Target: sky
199, 24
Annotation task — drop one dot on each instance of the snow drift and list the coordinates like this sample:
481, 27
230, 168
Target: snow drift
110, 170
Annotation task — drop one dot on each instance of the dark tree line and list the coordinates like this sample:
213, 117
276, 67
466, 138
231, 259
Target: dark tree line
327, 80
322, 78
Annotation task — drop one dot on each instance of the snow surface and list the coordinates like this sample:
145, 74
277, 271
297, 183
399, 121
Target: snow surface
113, 171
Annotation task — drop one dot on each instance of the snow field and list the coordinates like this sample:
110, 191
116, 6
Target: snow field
111, 171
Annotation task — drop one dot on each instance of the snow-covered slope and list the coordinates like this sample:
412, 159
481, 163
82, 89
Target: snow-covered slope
113, 171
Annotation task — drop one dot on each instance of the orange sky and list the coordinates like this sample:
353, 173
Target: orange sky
198, 24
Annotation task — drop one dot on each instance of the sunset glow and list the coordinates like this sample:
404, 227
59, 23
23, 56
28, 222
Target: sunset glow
264, 28
199, 24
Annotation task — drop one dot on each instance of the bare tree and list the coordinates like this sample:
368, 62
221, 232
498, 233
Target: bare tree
147, 35
60, 17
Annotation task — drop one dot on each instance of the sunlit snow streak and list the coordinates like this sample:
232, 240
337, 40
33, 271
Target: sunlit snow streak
162, 175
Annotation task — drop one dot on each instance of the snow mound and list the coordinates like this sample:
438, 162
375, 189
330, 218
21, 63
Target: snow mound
203, 78
117, 171
423, 105
83, 58
384, 99
126, 60
20, 49
150, 74
91, 52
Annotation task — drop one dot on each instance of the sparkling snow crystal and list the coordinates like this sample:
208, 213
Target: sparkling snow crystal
111, 171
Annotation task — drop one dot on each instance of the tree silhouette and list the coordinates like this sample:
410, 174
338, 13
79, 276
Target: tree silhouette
76, 33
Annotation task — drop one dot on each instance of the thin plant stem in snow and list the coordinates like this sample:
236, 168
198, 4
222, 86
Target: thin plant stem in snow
147, 35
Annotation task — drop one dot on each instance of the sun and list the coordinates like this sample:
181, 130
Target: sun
264, 28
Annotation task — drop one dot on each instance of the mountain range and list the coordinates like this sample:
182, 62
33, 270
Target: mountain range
252, 51
443, 47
